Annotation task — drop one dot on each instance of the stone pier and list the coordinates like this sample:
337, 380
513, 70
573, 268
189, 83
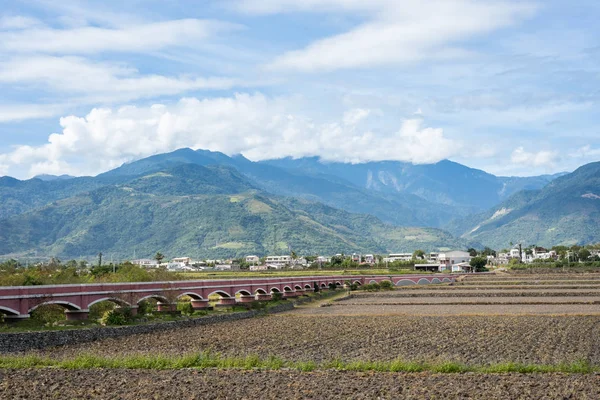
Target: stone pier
200, 304
246, 299
226, 302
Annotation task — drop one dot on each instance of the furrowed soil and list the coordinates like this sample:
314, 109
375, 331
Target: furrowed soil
476, 322
228, 384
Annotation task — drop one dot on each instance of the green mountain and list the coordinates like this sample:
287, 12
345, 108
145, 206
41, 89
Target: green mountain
398, 209
204, 212
566, 211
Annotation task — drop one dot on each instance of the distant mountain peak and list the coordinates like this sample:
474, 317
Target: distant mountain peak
49, 177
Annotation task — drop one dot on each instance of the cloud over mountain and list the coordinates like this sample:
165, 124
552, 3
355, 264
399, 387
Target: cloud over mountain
257, 126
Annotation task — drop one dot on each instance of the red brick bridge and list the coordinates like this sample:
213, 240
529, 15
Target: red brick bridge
18, 301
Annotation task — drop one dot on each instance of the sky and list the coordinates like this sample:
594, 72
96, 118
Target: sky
510, 87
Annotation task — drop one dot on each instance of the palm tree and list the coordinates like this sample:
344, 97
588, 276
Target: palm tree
159, 257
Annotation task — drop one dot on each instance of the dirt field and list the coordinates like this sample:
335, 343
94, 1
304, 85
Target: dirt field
210, 384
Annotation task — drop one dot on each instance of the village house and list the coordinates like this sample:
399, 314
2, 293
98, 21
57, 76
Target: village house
145, 262
254, 260
454, 260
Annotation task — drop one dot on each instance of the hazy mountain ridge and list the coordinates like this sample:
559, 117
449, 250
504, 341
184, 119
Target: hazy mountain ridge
466, 190
566, 211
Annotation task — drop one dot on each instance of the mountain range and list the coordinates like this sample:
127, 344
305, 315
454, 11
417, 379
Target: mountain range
203, 212
566, 211
208, 204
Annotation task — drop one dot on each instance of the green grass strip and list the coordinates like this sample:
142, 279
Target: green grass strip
208, 359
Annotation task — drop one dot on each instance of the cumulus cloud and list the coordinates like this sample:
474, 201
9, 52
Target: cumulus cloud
392, 32
254, 125
542, 158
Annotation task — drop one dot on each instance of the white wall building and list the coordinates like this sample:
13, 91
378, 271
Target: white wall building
253, 260
145, 262
183, 260
399, 257
448, 259
278, 261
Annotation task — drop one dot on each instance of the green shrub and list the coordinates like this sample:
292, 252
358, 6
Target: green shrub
48, 314
371, 287
386, 285
276, 296
99, 309
146, 306
117, 316
185, 308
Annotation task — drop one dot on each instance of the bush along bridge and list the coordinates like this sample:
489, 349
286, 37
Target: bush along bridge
17, 302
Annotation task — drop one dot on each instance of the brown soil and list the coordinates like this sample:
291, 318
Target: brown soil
192, 384
475, 340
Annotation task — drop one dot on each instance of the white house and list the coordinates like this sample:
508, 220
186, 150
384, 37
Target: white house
433, 257
258, 268
278, 261
182, 260
145, 262
448, 259
252, 260
369, 258
399, 257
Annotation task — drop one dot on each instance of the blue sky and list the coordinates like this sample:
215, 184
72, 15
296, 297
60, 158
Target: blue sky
511, 87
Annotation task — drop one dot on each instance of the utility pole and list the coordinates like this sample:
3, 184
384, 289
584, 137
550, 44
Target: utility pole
100, 259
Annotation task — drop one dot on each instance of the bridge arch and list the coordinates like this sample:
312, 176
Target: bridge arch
323, 285
157, 297
307, 286
297, 287
436, 280
243, 292
260, 291
8, 311
287, 289
276, 290
357, 283
405, 282
221, 293
66, 304
117, 301
423, 281
192, 295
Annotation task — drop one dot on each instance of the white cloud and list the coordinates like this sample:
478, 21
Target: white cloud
8, 22
586, 152
542, 158
20, 112
394, 32
134, 38
254, 125
99, 82
354, 116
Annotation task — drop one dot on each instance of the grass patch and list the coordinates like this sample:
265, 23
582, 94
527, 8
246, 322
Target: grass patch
208, 359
